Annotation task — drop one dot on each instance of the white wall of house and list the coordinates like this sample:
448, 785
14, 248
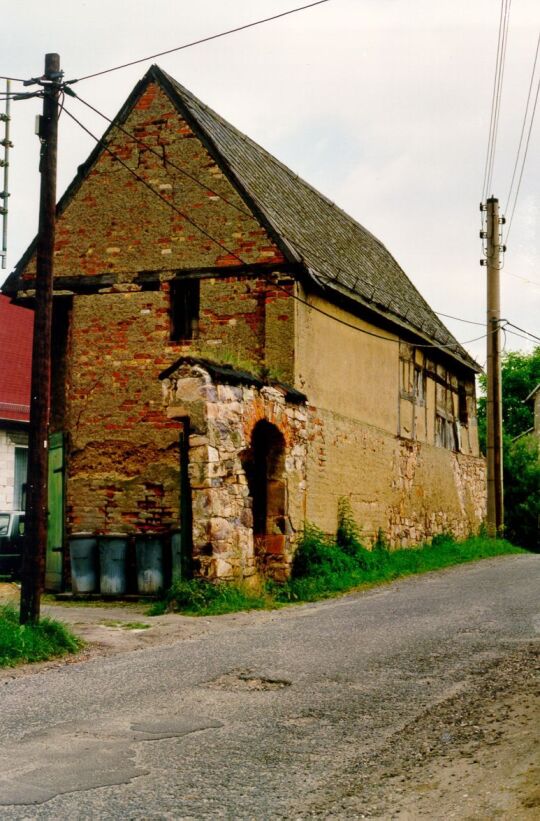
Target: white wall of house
13, 450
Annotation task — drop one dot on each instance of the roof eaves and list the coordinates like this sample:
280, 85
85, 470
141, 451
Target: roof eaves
460, 355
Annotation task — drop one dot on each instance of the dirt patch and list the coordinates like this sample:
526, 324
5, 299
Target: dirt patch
473, 756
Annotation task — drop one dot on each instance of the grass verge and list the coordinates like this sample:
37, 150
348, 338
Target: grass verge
20, 644
325, 567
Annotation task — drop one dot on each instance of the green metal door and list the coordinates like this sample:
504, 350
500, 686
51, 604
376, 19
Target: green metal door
55, 524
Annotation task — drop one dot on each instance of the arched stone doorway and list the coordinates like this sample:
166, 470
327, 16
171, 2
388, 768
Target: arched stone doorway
264, 464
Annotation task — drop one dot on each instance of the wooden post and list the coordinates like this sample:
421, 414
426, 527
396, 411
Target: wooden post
33, 562
495, 510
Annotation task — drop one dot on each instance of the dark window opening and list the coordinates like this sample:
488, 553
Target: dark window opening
185, 299
462, 404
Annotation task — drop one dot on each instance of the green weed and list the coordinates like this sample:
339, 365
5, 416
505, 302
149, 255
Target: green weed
199, 597
20, 644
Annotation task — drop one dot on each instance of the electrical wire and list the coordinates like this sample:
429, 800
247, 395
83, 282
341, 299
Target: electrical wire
459, 319
14, 79
523, 331
202, 40
510, 221
164, 159
526, 338
524, 279
518, 152
452, 346
496, 95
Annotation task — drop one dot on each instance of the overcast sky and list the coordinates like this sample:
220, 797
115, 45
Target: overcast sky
383, 105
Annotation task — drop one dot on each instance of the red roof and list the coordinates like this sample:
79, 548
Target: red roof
16, 331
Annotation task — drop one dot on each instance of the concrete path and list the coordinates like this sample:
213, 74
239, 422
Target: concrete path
345, 709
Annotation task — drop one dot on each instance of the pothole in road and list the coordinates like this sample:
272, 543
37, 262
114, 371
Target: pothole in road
247, 680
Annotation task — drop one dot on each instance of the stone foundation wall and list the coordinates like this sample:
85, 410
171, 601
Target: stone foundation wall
409, 490
222, 419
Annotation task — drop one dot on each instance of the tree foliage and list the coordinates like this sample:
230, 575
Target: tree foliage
520, 374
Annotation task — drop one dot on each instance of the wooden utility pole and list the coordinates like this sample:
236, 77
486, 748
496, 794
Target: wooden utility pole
33, 563
495, 510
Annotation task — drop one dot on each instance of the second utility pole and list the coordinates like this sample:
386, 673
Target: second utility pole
33, 566
495, 508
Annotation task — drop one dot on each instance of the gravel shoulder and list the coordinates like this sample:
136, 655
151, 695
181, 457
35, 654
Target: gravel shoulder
474, 755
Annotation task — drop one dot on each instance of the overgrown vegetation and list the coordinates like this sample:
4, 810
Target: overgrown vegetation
520, 375
324, 566
222, 355
197, 597
20, 644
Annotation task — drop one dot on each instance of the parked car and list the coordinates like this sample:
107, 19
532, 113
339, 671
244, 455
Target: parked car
11, 538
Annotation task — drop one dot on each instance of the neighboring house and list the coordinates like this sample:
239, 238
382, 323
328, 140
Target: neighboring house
535, 397
16, 328
235, 365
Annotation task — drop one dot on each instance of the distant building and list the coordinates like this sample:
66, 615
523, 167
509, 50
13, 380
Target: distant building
16, 329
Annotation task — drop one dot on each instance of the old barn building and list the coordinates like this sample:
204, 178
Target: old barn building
233, 353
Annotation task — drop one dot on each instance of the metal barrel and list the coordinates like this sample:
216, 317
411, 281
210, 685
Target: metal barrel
112, 561
83, 551
150, 574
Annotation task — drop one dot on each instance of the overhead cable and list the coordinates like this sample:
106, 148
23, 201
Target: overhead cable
526, 112
439, 346
164, 159
496, 95
201, 40
511, 219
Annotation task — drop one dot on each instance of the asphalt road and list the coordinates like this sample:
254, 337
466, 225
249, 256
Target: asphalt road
279, 714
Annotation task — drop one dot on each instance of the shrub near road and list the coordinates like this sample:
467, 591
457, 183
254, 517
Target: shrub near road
324, 567
20, 644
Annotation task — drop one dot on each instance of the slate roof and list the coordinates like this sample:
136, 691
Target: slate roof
337, 251
334, 250
16, 331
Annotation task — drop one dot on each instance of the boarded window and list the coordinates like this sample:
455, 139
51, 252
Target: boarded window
447, 433
419, 384
185, 300
462, 405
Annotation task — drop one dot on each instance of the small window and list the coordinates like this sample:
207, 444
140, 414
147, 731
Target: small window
184, 309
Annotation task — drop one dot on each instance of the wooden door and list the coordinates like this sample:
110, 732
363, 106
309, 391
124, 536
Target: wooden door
55, 523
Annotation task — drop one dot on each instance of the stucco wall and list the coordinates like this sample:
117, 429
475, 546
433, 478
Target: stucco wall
9, 440
374, 441
7, 467
409, 490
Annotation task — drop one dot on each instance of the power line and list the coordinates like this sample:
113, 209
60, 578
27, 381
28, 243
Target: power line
459, 319
524, 279
526, 338
523, 162
165, 160
440, 346
523, 125
496, 95
14, 79
202, 40
523, 331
